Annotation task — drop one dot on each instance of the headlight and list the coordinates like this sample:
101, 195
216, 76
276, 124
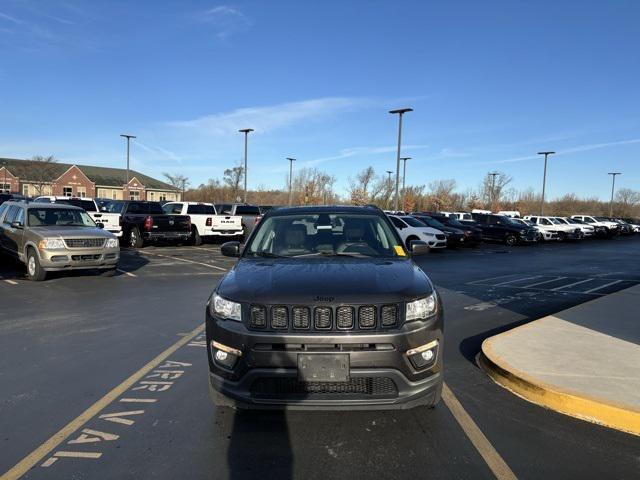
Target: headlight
111, 243
225, 308
422, 308
51, 244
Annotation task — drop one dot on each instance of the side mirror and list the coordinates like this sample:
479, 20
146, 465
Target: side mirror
230, 249
418, 247
100, 225
16, 225
103, 209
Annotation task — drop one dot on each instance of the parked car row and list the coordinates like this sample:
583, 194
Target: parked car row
455, 229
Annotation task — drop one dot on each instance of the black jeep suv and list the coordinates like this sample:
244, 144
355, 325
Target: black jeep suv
500, 228
325, 309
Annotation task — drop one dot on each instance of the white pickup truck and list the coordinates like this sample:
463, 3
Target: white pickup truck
205, 221
550, 224
111, 221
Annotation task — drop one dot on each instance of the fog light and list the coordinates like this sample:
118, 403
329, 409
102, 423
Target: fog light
224, 356
423, 356
426, 356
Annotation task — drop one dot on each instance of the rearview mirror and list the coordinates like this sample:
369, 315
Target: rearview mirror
418, 247
230, 249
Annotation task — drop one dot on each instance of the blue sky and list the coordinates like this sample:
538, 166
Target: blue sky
491, 84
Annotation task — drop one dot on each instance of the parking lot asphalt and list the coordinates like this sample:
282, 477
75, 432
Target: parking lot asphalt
73, 340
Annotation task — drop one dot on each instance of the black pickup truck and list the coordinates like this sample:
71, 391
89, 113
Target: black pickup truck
144, 222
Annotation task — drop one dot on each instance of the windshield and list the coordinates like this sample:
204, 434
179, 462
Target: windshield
324, 234
61, 217
413, 222
555, 221
114, 207
432, 222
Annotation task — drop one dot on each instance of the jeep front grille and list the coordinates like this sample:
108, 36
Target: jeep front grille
324, 318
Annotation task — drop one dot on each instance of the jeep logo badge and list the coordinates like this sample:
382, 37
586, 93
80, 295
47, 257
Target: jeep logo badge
320, 298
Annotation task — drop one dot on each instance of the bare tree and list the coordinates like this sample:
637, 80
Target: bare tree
232, 178
492, 188
43, 172
626, 200
177, 180
312, 187
441, 194
359, 187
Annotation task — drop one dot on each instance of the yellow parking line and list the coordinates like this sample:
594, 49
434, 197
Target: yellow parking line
492, 458
43, 450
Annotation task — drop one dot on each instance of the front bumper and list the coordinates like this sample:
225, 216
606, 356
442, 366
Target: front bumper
376, 358
154, 236
79, 259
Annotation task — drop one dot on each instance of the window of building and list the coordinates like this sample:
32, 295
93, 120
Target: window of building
114, 195
134, 195
6, 187
163, 197
82, 192
25, 190
67, 191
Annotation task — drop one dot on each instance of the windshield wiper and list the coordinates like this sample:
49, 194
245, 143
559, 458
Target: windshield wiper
267, 255
332, 254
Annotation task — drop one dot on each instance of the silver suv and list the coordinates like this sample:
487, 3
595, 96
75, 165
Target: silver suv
54, 237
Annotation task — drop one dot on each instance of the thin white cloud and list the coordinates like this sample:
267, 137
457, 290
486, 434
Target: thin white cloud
225, 20
362, 151
155, 149
566, 151
269, 118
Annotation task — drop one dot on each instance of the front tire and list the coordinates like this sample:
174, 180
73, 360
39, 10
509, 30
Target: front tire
135, 239
35, 272
510, 240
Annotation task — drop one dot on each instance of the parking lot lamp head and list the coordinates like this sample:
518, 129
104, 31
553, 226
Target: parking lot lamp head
400, 112
291, 160
544, 178
613, 186
128, 137
246, 132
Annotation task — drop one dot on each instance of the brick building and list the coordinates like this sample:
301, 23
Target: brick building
32, 179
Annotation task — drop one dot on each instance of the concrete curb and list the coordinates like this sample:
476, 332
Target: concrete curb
592, 409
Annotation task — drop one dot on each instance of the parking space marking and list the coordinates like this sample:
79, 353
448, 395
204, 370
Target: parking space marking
572, 284
11, 282
603, 286
482, 444
128, 274
28, 462
516, 280
542, 283
187, 260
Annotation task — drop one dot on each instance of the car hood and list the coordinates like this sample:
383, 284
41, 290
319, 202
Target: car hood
319, 280
72, 232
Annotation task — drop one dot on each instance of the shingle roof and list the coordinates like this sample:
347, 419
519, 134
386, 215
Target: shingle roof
106, 176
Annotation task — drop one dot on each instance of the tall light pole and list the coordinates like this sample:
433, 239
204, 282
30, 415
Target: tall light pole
128, 137
493, 176
291, 160
246, 135
404, 175
613, 186
389, 172
4, 182
400, 112
544, 178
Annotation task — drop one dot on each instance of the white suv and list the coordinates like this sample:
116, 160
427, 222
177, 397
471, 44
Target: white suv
411, 229
601, 225
587, 230
564, 231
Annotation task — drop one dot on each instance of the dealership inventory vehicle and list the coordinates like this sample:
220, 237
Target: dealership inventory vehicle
634, 222
144, 222
325, 308
7, 197
205, 221
603, 227
250, 214
52, 237
498, 228
411, 229
455, 236
587, 230
546, 235
473, 233
565, 231
111, 221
